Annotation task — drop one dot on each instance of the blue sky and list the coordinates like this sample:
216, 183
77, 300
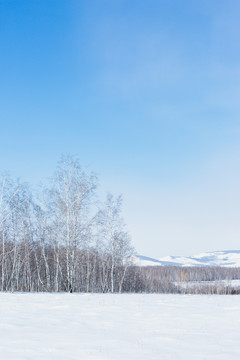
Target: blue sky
146, 94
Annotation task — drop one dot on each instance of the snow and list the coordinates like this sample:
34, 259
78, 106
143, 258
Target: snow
111, 327
199, 284
229, 258
141, 260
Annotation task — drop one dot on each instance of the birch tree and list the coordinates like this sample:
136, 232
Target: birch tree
116, 240
72, 194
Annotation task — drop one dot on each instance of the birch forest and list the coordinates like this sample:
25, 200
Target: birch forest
61, 238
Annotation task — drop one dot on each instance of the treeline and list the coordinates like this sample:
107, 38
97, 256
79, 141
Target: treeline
182, 280
60, 238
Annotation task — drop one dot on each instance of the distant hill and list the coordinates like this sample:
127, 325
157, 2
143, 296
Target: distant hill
229, 258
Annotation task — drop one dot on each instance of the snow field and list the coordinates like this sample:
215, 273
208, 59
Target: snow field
126, 326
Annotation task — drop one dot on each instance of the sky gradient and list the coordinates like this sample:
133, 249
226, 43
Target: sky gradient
146, 94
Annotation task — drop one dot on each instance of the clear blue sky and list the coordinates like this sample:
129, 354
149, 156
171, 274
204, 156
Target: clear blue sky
146, 94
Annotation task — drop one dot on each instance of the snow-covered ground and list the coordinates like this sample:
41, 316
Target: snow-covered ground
142, 327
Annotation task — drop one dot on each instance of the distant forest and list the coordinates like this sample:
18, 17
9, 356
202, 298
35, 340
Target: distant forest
61, 239
183, 280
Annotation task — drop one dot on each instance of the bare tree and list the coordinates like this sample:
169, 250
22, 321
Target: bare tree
10, 204
116, 241
72, 194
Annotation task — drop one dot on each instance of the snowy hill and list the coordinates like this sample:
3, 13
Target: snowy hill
230, 258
